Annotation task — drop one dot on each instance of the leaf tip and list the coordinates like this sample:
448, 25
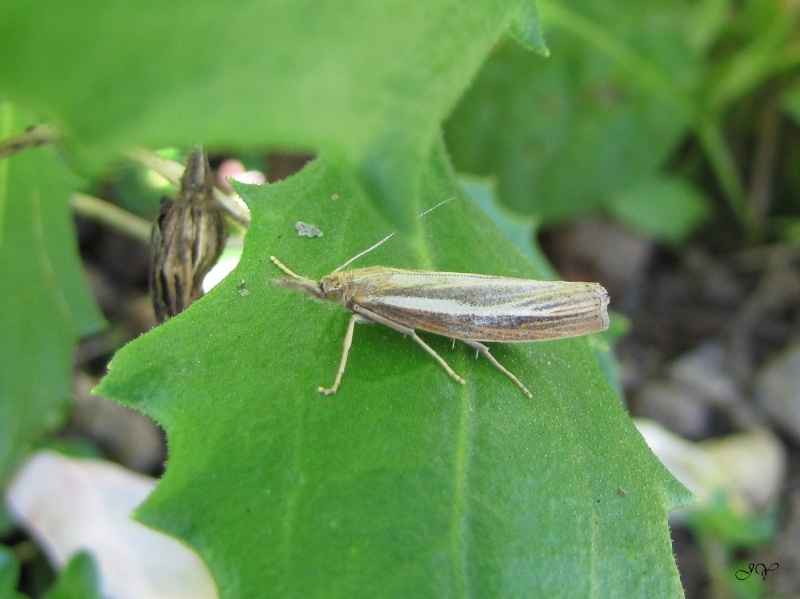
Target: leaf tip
526, 28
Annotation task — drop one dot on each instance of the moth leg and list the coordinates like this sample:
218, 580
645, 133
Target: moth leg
480, 347
348, 341
369, 314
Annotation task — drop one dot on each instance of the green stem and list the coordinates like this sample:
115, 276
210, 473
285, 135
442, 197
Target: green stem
752, 67
101, 211
726, 171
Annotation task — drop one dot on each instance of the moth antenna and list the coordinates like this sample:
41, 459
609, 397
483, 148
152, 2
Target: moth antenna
390, 235
432, 208
366, 251
285, 268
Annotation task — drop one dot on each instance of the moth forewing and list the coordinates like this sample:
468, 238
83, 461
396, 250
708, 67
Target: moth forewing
469, 307
481, 307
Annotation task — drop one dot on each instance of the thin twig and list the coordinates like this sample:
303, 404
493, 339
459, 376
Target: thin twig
33, 136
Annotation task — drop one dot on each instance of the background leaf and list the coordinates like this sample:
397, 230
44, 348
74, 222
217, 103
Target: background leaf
520, 230
665, 209
78, 579
791, 101
404, 483
369, 84
44, 302
9, 573
561, 135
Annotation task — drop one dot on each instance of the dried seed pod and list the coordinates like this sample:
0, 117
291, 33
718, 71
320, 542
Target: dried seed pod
188, 237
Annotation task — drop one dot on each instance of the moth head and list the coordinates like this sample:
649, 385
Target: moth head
331, 287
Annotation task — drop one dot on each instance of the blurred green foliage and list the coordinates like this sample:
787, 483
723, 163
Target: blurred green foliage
657, 114
653, 112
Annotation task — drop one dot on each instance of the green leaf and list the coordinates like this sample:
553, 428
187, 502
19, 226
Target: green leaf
9, 573
666, 209
791, 102
78, 580
789, 229
520, 230
404, 483
367, 83
561, 135
720, 521
43, 296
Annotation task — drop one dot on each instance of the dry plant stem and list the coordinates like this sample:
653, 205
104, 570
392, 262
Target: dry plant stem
33, 136
762, 178
189, 235
103, 212
173, 172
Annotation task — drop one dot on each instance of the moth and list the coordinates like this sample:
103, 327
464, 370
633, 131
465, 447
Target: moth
473, 308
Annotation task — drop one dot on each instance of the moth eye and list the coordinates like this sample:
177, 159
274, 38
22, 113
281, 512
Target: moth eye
334, 295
